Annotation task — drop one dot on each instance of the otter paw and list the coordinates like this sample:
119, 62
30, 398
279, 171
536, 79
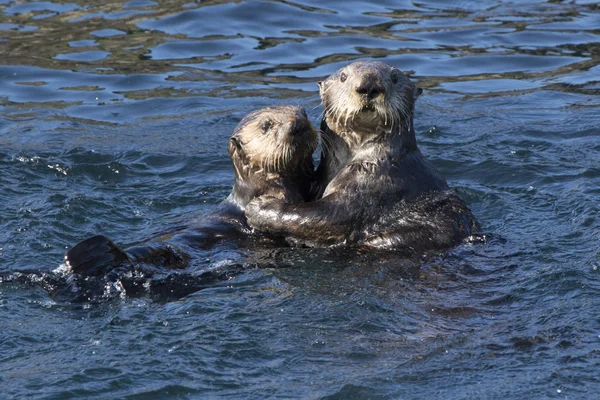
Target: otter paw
262, 209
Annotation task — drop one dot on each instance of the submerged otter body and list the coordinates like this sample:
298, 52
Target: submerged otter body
375, 188
271, 151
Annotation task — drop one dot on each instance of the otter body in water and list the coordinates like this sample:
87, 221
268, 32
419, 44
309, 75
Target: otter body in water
271, 151
375, 188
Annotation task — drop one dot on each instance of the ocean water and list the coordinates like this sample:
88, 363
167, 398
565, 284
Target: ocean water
115, 117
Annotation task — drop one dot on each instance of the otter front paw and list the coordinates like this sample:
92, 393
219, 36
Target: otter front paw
263, 212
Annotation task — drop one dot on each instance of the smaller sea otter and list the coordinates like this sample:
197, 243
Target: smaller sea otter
271, 150
376, 187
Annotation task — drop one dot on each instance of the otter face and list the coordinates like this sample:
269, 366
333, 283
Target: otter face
274, 140
368, 96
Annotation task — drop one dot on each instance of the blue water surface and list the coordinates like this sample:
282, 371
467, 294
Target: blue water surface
115, 117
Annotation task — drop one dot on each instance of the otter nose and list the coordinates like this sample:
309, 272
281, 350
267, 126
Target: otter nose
370, 90
297, 126
288, 130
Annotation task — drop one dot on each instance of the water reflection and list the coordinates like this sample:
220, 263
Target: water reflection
285, 44
114, 118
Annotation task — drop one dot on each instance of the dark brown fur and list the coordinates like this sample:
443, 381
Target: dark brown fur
377, 189
271, 151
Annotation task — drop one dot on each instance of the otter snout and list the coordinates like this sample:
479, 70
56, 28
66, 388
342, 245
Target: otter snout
294, 131
297, 126
370, 87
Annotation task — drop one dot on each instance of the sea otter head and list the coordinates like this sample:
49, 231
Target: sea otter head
270, 144
368, 98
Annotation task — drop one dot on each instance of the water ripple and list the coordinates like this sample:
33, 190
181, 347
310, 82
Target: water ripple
115, 117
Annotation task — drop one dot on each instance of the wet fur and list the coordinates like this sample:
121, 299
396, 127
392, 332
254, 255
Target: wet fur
277, 162
374, 186
271, 151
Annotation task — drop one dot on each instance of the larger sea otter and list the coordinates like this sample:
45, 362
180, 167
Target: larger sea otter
377, 189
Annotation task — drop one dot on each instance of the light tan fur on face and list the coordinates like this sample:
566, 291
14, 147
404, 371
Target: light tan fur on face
349, 112
274, 139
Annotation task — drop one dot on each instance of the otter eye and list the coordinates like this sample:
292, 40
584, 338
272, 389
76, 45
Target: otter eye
266, 125
343, 77
395, 76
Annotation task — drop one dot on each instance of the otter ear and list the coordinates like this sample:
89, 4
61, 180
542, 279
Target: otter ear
418, 92
323, 85
320, 85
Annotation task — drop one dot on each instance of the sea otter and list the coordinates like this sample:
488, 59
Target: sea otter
271, 151
374, 187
